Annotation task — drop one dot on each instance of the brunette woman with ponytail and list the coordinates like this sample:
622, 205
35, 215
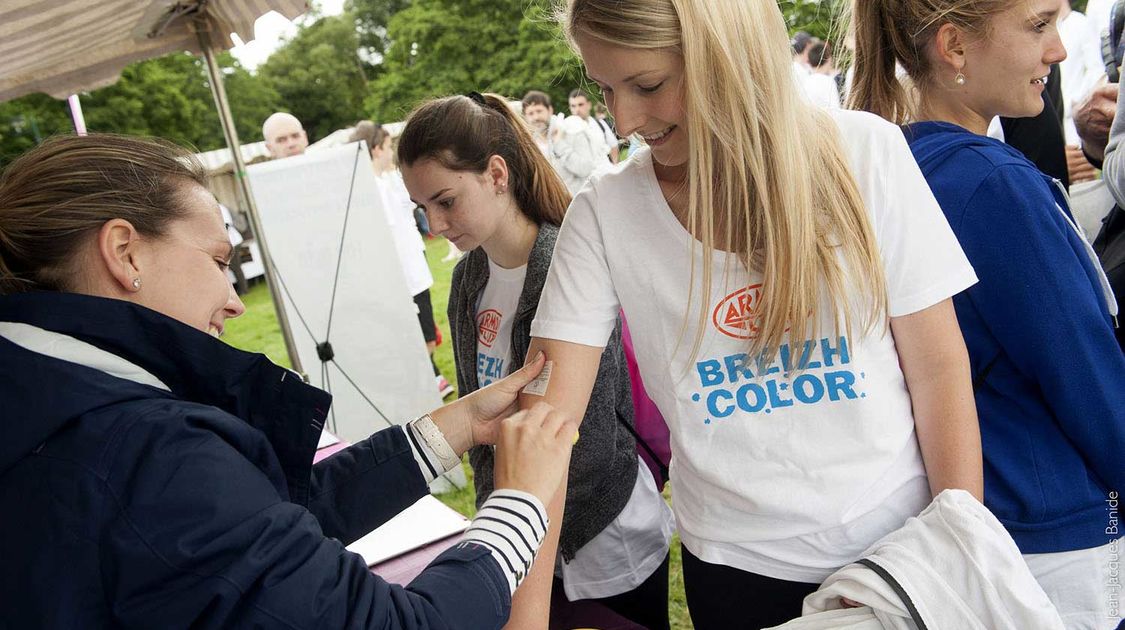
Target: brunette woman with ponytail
471, 163
1048, 375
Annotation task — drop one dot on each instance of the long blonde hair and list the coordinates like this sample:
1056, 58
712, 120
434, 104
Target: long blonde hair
762, 162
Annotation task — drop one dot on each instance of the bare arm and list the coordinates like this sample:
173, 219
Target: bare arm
573, 370
936, 366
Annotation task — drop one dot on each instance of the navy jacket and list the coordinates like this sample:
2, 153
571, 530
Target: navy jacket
1050, 378
157, 478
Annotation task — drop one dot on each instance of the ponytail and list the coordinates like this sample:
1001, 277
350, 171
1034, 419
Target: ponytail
463, 132
876, 87
893, 33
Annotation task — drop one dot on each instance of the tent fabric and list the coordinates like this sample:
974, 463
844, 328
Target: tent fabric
63, 47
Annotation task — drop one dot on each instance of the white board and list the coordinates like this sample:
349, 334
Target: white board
374, 324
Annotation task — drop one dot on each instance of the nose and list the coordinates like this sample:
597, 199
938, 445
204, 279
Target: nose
1056, 51
234, 306
627, 113
438, 224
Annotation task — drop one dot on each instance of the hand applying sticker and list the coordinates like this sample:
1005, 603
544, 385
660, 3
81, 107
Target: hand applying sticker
475, 419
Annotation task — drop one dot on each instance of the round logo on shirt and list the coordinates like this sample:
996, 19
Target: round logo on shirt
734, 315
488, 324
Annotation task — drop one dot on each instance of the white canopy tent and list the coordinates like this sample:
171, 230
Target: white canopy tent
63, 47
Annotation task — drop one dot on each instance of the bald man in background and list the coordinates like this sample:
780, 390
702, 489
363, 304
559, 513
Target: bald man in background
284, 135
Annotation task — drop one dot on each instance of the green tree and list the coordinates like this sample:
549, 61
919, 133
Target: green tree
168, 97
371, 20
819, 18
318, 75
441, 47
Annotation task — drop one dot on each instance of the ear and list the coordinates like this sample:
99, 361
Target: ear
497, 174
117, 244
950, 44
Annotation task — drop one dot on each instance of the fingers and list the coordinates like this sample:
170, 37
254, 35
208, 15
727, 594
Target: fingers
521, 377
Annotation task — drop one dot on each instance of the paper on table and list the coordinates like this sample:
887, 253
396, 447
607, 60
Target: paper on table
426, 521
326, 439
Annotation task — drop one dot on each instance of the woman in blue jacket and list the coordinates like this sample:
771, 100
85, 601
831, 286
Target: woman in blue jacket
1049, 378
154, 477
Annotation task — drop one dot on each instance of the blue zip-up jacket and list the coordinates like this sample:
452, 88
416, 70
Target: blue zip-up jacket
154, 477
1049, 376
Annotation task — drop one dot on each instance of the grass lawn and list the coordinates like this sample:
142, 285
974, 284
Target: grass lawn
257, 331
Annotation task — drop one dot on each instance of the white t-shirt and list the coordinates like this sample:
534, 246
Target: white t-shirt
602, 128
789, 475
624, 554
495, 313
409, 245
821, 90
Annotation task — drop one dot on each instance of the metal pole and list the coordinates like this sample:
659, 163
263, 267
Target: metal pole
231, 134
76, 114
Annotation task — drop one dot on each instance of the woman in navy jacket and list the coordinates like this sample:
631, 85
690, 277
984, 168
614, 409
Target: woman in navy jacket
1049, 378
152, 476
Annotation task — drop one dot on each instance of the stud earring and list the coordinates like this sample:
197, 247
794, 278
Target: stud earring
136, 283
959, 79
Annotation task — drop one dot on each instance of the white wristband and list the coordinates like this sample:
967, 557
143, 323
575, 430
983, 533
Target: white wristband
435, 439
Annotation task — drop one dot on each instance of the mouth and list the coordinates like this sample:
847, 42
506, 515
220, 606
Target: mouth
215, 330
1040, 81
659, 137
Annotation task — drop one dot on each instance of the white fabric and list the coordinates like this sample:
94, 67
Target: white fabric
821, 91
66, 348
579, 152
408, 241
603, 128
64, 47
956, 563
813, 466
1084, 585
495, 314
1082, 69
627, 551
1099, 13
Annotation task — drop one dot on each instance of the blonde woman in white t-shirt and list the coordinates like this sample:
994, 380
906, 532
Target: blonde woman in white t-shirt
786, 274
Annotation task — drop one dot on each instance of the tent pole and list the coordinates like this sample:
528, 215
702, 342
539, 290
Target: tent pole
231, 134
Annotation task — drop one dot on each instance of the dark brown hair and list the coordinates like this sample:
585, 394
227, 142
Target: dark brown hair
890, 32
55, 196
461, 134
374, 135
535, 97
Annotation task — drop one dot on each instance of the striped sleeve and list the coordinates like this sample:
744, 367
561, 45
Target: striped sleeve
512, 525
427, 460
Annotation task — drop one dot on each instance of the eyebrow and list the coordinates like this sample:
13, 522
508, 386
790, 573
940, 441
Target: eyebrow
435, 195
628, 78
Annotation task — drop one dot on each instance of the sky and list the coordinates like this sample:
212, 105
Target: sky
268, 31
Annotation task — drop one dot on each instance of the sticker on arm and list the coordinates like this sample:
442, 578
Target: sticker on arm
538, 387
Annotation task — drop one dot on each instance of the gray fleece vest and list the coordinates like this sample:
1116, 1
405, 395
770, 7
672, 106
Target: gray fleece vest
603, 466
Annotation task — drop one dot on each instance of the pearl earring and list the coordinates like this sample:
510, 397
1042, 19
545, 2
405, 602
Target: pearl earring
959, 79
136, 283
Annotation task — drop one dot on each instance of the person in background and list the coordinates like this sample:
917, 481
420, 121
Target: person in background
753, 240
820, 84
284, 135
472, 164
540, 117
1082, 71
409, 246
1047, 372
165, 479
581, 106
580, 148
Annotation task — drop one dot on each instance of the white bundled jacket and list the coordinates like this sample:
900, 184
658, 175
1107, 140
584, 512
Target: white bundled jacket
956, 565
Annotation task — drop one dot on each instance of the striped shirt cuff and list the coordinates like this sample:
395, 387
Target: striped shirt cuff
511, 524
427, 459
